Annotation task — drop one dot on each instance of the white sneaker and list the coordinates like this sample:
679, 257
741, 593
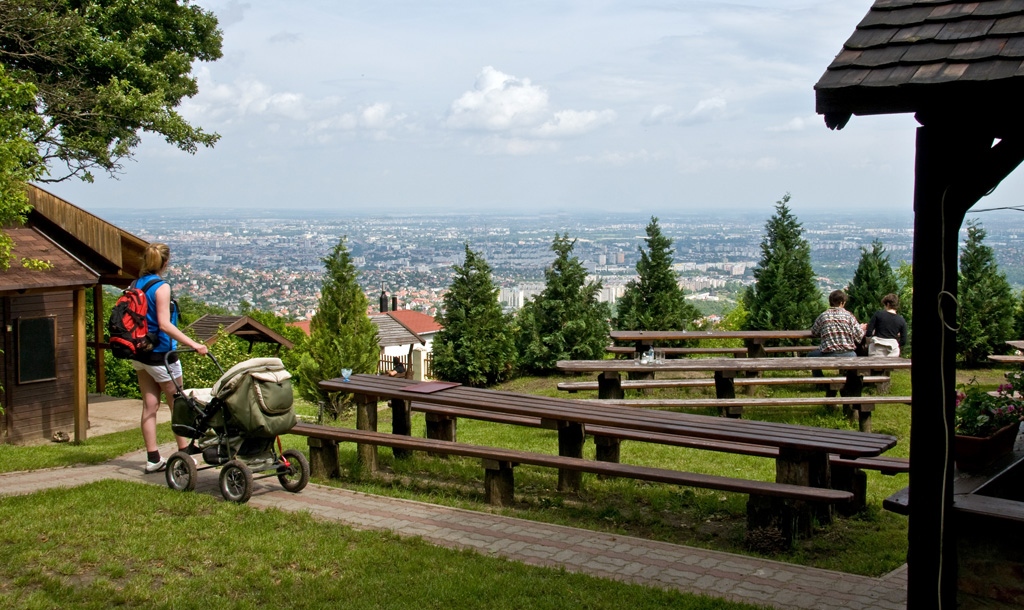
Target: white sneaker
152, 467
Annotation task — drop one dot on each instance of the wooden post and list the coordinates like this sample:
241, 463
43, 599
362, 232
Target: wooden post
609, 386
97, 328
609, 448
570, 444
499, 482
80, 390
854, 386
725, 387
441, 427
956, 165
366, 419
809, 469
323, 458
401, 423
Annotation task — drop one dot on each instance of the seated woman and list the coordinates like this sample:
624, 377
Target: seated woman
887, 330
399, 368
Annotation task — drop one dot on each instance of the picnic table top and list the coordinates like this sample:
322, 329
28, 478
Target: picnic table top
1017, 344
679, 335
1007, 359
735, 364
784, 436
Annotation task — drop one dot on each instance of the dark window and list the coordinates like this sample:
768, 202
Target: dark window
37, 349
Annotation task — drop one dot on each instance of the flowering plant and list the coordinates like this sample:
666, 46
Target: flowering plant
981, 413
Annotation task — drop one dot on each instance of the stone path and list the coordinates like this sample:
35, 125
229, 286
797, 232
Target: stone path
657, 564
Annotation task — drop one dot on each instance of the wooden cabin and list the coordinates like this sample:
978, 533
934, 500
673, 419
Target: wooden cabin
43, 364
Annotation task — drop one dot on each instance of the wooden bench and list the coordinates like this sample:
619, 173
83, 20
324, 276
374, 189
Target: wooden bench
681, 351
833, 383
498, 464
847, 474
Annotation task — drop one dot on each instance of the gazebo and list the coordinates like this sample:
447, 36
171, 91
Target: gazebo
959, 67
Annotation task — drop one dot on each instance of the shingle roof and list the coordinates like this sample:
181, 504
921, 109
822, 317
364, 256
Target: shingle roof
65, 270
931, 56
419, 323
206, 328
391, 332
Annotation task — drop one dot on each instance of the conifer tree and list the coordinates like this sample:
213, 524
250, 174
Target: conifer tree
905, 278
655, 301
477, 344
873, 280
784, 294
341, 335
565, 321
986, 301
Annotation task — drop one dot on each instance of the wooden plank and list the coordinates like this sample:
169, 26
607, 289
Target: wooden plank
687, 335
649, 403
704, 365
987, 506
639, 384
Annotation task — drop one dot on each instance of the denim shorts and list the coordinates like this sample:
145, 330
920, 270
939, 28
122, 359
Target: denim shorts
158, 371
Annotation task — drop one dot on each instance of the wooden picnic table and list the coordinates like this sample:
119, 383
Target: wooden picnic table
726, 369
798, 445
753, 339
1016, 344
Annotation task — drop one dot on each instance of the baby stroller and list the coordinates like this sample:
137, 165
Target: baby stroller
235, 425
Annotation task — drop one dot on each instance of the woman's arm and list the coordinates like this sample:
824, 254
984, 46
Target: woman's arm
163, 318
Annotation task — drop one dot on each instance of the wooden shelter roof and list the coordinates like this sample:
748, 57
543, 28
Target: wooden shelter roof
931, 57
66, 272
206, 328
113, 252
392, 332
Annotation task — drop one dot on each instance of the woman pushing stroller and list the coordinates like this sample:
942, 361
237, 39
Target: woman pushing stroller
154, 376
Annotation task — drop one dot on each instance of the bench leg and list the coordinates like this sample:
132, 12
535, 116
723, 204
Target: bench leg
772, 524
854, 480
499, 482
810, 469
401, 423
864, 415
608, 448
609, 385
323, 458
441, 428
366, 419
725, 387
570, 444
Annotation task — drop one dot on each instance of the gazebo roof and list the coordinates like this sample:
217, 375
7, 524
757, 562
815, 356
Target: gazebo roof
243, 327
931, 57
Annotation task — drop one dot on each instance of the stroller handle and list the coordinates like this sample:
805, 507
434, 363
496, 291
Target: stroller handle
167, 364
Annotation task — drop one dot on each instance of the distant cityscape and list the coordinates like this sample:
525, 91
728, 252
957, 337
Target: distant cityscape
274, 262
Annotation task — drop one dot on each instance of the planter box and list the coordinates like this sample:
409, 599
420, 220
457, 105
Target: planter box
974, 453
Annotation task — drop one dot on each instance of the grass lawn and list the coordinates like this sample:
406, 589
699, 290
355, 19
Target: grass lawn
119, 544
871, 543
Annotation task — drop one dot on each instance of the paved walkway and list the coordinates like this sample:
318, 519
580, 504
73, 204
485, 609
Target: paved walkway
657, 564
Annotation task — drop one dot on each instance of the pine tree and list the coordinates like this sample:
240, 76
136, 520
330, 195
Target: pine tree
477, 345
873, 280
341, 335
905, 278
565, 321
784, 294
986, 301
655, 301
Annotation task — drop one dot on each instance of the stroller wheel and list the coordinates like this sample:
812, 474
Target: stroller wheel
181, 472
293, 479
236, 482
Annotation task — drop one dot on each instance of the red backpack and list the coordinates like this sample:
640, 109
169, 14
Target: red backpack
127, 326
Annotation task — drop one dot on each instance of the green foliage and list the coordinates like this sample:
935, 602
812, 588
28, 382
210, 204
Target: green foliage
986, 301
19, 159
735, 318
979, 413
477, 345
565, 321
654, 301
905, 278
784, 295
341, 334
873, 280
104, 72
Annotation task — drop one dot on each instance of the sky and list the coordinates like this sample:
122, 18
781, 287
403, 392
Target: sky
436, 106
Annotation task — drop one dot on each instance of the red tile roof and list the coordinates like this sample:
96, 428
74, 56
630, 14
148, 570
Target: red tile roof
415, 321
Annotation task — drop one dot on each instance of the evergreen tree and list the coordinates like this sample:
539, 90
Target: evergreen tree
784, 294
905, 277
565, 321
1018, 317
341, 335
477, 344
986, 301
654, 301
873, 280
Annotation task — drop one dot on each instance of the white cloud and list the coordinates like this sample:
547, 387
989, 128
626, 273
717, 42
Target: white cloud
706, 110
499, 102
376, 118
574, 122
618, 158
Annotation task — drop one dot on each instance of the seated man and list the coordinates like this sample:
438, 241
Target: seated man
839, 330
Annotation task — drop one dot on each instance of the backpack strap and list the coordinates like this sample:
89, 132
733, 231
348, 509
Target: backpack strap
149, 284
